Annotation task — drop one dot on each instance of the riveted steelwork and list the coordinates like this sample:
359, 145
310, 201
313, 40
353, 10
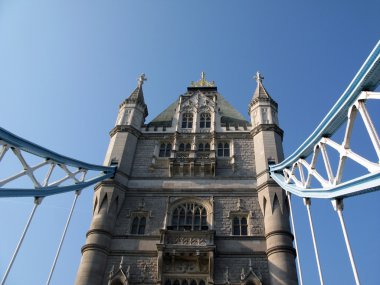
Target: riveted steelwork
294, 174
71, 180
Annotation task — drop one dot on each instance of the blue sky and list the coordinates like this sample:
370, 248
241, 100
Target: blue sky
66, 65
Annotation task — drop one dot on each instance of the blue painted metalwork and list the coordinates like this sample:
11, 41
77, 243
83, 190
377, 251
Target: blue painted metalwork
367, 79
16, 142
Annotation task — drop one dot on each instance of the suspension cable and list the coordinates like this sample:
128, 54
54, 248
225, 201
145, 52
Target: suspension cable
37, 202
307, 203
295, 237
338, 207
77, 193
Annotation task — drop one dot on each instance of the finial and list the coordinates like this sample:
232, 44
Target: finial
141, 80
202, 82
259, 78
227, 276
121, 262
250, 264
111, 271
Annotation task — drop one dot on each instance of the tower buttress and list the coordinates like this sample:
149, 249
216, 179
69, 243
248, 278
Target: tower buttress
131, 117
109, 196
267, 137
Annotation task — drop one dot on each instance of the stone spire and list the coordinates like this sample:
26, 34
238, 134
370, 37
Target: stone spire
137, 96
260, 91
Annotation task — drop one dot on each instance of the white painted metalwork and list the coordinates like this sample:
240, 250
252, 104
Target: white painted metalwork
77, 193
338, 207
37, 202
295, 173
343, 149
66, 171
295, 237
307, 202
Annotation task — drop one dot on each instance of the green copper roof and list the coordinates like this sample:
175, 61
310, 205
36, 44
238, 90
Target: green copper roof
165, 118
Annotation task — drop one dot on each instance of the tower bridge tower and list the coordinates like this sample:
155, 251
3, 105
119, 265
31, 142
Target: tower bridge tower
192, 202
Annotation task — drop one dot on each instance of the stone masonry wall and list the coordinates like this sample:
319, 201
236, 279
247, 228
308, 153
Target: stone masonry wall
235, 266
224, 206
142, 269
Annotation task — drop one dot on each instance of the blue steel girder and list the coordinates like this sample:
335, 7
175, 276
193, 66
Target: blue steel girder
10, 143
344, 110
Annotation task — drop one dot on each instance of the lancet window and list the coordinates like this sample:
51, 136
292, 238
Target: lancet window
223, 149
138, 226
165, 150
184, 147
187, 120
189, 216
240, 226
205, 120
204, 147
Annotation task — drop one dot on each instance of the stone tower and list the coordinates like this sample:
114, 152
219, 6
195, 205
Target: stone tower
192, 202
267, 138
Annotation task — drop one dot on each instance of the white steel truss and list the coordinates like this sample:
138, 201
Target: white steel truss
62, 174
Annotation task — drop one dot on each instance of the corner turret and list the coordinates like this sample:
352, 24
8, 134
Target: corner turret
133, 110
267, 137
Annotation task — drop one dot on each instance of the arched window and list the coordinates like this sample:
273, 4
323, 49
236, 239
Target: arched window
224, 149
202, 282
193, 282
165, 150
205, 120
204, 147
187, 121
138, 226
240, 226
183, 147
189, 216
168, 282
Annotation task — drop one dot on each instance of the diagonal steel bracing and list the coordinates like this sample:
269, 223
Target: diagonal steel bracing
69, 174
295, 173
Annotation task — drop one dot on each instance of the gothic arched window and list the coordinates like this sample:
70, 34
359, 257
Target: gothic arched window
165, 150
240, 226
224, 149
189, 216
138, 226
183, 147
204, 147
187, 120
205, 120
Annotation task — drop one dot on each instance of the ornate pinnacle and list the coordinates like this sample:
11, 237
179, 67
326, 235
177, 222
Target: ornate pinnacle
141, 80
121, 262
259, 78
203, 82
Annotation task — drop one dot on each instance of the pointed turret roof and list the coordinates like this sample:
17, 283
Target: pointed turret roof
260, 91
137, 96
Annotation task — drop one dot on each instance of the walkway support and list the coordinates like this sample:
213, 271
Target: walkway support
295, 237
307, 203
338, 207
37, 202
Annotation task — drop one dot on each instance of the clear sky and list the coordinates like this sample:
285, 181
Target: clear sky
65, 66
